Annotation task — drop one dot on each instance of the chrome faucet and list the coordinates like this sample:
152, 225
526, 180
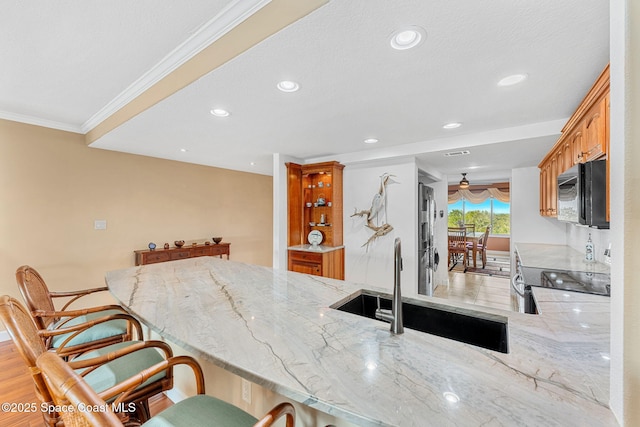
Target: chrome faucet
395, 314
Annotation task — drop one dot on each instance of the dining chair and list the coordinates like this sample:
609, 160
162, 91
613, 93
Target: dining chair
471, 228
457, 245
482, 245
102, 369
68, 388
113, 323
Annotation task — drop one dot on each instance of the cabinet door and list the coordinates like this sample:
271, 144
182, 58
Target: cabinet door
552, 185
305, 262
543, 189
594, 141
567, 155
576, 145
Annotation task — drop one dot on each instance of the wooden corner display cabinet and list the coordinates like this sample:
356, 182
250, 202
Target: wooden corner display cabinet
315, 203
585, 137
148, 256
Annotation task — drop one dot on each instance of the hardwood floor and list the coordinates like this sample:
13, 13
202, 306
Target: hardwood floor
16, 387
483, 290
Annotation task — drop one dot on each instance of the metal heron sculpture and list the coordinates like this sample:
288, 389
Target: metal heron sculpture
378, 206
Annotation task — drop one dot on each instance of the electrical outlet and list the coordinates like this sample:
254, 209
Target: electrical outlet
246, 391
100, 224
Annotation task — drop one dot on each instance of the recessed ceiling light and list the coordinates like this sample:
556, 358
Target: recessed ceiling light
288, 86
219, 112
252, 163
183, 150
512, 80
407, 38
452, 125
370, 141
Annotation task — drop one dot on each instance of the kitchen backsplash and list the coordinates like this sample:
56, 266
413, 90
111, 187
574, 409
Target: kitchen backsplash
577, 238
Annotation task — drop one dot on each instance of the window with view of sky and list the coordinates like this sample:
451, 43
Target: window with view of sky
490, 212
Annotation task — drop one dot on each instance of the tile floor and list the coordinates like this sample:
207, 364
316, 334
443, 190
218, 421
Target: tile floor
483, 290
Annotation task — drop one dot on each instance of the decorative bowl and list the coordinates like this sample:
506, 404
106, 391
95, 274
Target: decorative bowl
217, 240
178, 243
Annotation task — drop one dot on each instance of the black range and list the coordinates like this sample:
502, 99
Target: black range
575, 281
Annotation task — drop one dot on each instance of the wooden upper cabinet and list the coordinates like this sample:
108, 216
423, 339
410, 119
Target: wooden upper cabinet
552, 166
548, 177
572, 148
315, 202
585, 137
595, 126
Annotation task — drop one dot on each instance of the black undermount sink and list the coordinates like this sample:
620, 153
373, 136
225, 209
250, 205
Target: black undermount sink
467, 326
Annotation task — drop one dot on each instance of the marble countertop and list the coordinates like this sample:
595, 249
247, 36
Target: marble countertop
311, 248
275, 328
560, 257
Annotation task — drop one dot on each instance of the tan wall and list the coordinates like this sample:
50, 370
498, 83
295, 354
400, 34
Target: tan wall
498, 243
53, 187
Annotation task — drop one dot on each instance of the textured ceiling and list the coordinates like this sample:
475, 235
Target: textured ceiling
70, 58
353, 85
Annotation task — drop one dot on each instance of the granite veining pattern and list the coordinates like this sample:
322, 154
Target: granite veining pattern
275, 328
559, 257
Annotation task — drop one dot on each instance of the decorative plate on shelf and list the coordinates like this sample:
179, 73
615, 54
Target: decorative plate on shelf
315, 237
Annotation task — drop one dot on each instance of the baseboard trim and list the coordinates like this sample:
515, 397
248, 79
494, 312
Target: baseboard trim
4, 336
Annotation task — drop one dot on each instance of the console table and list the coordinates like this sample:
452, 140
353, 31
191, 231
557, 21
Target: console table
148, 256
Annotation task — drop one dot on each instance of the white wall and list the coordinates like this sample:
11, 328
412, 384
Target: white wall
577, 237
527, 226
625, 205
374, 265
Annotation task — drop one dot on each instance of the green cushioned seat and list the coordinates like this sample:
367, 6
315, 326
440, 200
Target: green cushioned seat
122, 368
202, 410
100, 331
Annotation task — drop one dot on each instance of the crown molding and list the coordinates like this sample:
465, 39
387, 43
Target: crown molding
232, 15
31, 120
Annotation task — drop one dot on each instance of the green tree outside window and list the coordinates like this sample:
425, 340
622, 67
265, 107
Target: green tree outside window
490, 212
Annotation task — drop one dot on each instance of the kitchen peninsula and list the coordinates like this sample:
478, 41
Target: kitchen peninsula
276, 328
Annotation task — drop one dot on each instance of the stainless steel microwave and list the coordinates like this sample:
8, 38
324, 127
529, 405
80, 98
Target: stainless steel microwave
582, 194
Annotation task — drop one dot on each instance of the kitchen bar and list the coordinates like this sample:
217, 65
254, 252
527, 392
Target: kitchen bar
276, 328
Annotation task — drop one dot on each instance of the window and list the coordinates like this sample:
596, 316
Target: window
490, 212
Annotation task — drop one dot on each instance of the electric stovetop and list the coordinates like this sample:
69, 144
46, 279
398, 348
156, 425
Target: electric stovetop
576, 281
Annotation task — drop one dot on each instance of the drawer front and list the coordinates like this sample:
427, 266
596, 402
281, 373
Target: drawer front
306, 256
200, 251
180, 255
305, 267
218, 250
153, 257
